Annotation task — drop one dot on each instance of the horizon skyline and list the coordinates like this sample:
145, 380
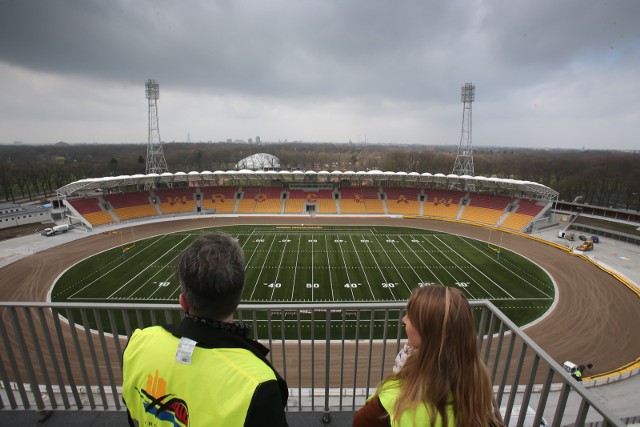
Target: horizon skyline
452, 147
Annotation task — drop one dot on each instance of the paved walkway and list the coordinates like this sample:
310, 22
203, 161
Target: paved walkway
621, 257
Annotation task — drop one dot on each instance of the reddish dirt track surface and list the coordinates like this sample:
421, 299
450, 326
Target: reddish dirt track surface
595, 319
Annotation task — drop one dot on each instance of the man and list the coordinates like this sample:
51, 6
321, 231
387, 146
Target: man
203, 371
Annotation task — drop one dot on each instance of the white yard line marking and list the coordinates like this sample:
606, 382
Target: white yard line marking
502, 266
295, 270
464, 290
407, 261
346, 270
384, 278
476, 268
427, 266
326, 246
262, 268
279, 264
313, 240
121, 264
143, 270
391, 261
462, 271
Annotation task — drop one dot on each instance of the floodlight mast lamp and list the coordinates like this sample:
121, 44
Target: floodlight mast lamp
156, 162
464, 161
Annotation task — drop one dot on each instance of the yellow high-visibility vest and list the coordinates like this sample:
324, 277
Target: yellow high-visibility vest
215, 389
418, 416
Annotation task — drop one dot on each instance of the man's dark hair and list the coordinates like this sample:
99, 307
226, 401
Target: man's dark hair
211, 275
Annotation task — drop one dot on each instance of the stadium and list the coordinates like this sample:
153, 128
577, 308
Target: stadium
588, 314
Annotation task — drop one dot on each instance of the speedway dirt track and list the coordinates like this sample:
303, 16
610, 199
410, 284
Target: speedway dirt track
594, 320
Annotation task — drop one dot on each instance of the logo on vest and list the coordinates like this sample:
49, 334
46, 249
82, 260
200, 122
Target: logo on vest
162, 405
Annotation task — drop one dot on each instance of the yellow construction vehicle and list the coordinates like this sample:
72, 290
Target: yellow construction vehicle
586, 246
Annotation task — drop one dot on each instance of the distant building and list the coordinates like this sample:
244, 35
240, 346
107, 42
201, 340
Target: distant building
259, 161
258, 140
13, 215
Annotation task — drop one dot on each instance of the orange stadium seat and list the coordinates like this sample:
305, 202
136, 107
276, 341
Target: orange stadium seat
132, 205
351, 201
260, 200
516, 221
486, 209
99, 218
85, 206
403, 201
177, 200
324, 200
220, 199
525, 211
441, 203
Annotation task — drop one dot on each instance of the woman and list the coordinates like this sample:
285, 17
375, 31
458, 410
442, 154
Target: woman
443, 381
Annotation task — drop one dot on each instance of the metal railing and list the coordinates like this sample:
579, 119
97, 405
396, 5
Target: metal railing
68, 357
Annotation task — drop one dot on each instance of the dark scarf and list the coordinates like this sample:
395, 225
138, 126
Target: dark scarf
236, 328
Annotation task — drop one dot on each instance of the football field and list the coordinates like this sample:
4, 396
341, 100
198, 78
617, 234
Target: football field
320, 264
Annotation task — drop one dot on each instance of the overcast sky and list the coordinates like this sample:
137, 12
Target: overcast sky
548, 73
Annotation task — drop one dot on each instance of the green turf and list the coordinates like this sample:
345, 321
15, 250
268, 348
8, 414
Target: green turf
293, 264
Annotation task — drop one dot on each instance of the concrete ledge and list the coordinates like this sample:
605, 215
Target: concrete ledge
111, 419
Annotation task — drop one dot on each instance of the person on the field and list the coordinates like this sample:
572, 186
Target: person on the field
204, 371
442, 381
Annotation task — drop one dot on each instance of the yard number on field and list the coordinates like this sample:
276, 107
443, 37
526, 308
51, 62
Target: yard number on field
423, 284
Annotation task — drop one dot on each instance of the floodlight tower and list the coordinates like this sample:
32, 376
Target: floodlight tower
155, 156
464, 161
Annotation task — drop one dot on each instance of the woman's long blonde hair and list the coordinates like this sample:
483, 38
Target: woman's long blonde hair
446, 368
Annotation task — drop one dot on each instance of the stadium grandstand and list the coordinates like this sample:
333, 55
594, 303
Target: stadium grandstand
507, 203
329, 376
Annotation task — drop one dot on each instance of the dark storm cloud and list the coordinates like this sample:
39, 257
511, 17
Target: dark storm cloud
296, 48
310, 48
397, 62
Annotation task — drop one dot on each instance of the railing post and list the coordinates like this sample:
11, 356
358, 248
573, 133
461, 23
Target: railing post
78, 349
326, 416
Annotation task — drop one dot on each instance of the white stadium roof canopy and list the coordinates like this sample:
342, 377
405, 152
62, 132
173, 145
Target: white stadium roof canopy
401, 179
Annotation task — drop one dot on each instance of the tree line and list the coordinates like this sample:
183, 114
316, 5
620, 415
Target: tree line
603, 178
